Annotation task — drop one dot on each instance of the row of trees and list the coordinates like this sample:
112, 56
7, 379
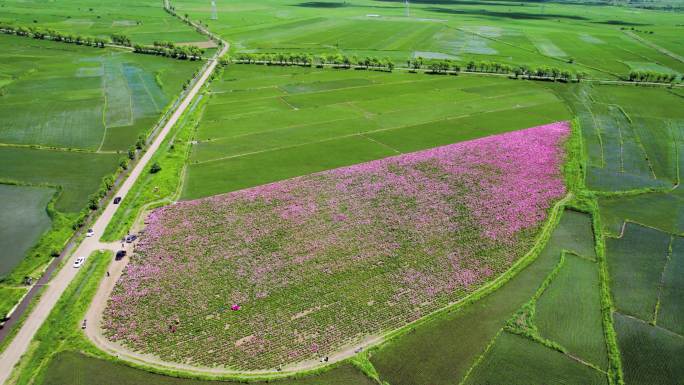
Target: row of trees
308, 60
167, 49
450, 66
189, 52
119, 39
415, 64
652, 76
50, 34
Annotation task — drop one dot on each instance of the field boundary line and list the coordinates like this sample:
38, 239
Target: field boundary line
614, 369
481, 357
359, 134
668, 331
356, 106
403, 82
535, 51
282, 99
147, 91
654, 46
661, 284
51, 148
381, 144
104, 107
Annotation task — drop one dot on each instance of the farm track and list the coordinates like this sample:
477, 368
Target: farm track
54, 289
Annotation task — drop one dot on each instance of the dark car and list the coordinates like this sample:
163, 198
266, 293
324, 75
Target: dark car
117, 200
120, 254
131, 238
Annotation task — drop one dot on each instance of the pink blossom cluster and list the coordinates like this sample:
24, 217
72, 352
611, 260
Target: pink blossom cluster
316, 262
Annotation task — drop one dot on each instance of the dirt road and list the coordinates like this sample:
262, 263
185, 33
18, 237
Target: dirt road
59, 283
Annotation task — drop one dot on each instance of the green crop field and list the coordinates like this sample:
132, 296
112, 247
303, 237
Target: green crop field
573, 36
650, 355
143, 21
68, 114
664, 211
78, 173
569, 311
74, 368
63, 95
264, 124
601, 301
671, 308
516, 360
23, 219
629, 144
636, 262
443, 350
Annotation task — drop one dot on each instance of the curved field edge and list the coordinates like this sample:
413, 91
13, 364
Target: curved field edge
90, 348
221, 232
572, 169
541, 240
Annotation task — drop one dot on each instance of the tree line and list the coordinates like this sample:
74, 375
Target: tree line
169, 49
443, 66
308, 60
50, 34
652, 77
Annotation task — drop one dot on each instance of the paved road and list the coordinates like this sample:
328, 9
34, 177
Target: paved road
59, 283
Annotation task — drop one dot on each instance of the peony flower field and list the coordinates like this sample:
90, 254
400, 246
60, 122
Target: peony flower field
297, 269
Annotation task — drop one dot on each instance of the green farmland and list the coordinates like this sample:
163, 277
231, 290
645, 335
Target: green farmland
66, 96
596, 297
142, 21
263, 124
68, 115
576, 37
22, 221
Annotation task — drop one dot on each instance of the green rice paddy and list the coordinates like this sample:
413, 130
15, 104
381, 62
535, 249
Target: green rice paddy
571, 36
671, 308
67, 96
650, 355
143, 21
68, 114
264, 124
569, 311
442, 351
23, 219
636, 262
74, 368
516, 360
664, 211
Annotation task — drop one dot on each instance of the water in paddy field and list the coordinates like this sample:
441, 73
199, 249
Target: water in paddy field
23, 219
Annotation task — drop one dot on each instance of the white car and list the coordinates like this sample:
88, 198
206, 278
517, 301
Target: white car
90, 233
79, 262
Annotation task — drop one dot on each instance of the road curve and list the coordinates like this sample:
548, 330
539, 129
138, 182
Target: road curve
51, 294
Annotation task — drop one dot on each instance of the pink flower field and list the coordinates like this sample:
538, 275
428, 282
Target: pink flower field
296, 269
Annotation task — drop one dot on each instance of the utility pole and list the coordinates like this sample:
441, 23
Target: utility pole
214, 14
